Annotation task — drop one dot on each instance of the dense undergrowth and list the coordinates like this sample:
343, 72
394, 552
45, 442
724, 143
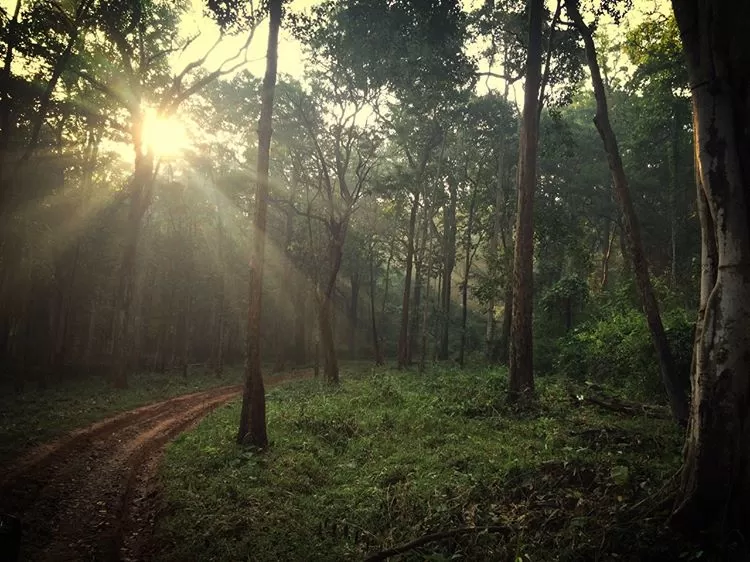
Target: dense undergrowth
389, 457
35, 415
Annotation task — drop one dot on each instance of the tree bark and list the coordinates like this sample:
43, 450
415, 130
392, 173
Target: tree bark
375, 338
140, 195
403, 338
493, 258
449, 262
337, 233
465, 284
354, 311
715, 487
672, 157
252, 426
521, 373
674, 387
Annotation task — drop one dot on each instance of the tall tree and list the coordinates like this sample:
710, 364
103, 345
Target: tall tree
715, 489
252, 427
670, 378
521, 372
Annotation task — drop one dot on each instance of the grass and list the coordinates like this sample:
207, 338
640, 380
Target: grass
34, 416
390, 456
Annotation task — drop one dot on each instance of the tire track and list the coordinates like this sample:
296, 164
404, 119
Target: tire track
92, 495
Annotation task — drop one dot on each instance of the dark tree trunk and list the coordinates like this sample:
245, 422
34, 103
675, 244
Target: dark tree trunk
672, 157
715, 488
403, 338
521, 376
140, 196
465, 284
375, 338
504, 342
449, 262
672, 383
337, 233
219, 336
354, 312
609, 238
493, 258
415, 310
252, 426
300, 325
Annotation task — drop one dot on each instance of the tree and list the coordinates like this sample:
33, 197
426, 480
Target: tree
521, 381
252, 427
670, 377
714, 492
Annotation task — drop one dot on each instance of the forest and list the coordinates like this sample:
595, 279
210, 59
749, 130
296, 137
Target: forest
374, 280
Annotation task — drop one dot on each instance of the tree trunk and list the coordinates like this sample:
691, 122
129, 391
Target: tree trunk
673, 225
354, 312
493, 258
140, 195
375, 338
219, 342
504, 343
674, 387
252, 426
403, 338
715, 488
425, 310
465, 284
337, 233
521, 373
609, 238
416, 316
449, 262
300, 325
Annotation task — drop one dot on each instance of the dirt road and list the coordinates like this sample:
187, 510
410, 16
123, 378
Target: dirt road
92, 495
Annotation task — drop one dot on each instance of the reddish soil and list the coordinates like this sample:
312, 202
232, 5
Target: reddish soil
93, 495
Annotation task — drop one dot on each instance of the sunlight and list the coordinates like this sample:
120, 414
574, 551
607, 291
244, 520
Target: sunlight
166, 136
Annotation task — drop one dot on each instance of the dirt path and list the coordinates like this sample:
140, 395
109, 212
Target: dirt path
92, 495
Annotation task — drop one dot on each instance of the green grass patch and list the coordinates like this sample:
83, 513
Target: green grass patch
34, 416
390, 456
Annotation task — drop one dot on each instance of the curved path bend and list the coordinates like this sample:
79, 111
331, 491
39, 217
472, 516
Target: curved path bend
92, 495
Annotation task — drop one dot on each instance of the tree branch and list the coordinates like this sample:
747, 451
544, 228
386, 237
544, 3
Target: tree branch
433, 537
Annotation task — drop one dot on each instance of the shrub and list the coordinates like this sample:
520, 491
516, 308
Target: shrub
617, 349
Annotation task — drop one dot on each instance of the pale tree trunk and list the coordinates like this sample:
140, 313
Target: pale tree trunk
521, 372
715, 488
252, 426
670, 378
608, 242
403, 338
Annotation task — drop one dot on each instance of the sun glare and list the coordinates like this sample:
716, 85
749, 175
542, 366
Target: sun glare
167, 137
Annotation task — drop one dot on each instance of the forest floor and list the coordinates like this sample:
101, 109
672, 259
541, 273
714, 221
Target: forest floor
392, 457
91, 495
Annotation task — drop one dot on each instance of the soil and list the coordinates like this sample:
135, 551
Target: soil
94, 495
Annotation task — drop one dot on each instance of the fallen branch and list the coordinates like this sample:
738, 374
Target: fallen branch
629, 408
433, 537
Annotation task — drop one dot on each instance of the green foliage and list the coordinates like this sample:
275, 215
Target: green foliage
617, 348
392, 456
